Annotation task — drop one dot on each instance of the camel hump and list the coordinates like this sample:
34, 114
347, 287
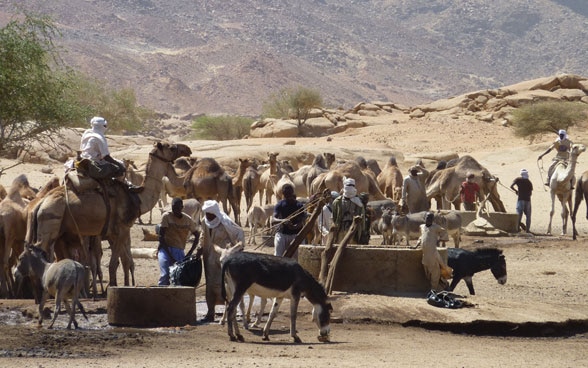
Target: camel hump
208, 166
80, 183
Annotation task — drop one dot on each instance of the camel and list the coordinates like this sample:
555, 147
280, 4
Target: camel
13, 225
560, 185
269, 178
250, 183
319, 165
238, 182
333, 180
134, 177
208, 180
446, 183
66, 215
390, 180
581, 193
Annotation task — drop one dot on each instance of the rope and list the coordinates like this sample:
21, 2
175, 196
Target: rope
508, 188
541, 171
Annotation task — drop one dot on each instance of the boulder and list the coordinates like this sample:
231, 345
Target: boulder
570, 94
316, 127
525, 97
274, 128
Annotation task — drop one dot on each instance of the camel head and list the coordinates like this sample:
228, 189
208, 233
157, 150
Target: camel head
169, 152
577, 149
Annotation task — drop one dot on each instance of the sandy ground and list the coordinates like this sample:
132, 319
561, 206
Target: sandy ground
538, 318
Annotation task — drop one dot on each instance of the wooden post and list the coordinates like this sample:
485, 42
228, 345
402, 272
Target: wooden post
342, 246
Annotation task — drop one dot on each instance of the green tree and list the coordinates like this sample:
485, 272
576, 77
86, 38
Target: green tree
292, 102
34, 85
533, 120
221, 127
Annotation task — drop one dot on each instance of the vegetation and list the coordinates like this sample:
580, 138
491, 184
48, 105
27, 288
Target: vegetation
221, 127
533, 120
118, 107
292, 103
39, 95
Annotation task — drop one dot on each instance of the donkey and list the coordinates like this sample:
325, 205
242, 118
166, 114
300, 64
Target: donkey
273, 277
466, 263
63, 280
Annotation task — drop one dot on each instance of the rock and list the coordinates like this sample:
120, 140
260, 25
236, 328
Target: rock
417, 113
274, 128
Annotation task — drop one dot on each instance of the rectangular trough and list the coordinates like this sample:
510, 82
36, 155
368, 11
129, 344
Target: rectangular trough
151, 306
373, 270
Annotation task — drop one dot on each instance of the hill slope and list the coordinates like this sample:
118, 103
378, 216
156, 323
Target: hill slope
217, 56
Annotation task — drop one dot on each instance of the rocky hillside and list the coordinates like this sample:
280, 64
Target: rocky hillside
225, 57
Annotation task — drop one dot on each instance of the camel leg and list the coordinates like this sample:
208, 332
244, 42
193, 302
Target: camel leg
551, 212
564, 214
113, 265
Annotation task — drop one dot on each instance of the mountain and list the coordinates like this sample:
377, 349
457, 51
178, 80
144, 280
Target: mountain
215, 56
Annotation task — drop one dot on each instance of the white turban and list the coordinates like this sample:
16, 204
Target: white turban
211, 206
565, 134
524, 174
349, 190
99, 125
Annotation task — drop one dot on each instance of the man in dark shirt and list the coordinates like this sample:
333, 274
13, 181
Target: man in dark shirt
523, 191
290, 215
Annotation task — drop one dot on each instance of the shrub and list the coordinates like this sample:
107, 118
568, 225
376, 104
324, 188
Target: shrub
221, 127
296, 102
534, 120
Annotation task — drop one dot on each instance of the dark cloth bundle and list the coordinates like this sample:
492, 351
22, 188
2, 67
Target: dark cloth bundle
187, 272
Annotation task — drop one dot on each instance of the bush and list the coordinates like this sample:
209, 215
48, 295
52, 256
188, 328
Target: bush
534, 120
221, 127
296, 102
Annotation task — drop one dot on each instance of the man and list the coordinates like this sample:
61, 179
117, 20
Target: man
414, 196
523, 191
469, 192
563, 146
325, 220
218, 230
345, 208
432, 262
290, 215
173, 232
94, 147
364, 237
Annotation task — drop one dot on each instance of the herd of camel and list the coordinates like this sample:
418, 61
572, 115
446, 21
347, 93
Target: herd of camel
69, 217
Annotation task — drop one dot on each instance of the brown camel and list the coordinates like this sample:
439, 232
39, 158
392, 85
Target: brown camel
250, 183
64, 216
560, 185
447, 182
13, 225
390, 180
333, 180
581, 193
208, 180
269, 178
244, 163
319, 165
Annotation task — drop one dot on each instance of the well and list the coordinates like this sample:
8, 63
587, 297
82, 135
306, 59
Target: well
373, 270
159, 306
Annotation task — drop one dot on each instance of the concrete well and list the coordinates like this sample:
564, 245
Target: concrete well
151, 306
373, 270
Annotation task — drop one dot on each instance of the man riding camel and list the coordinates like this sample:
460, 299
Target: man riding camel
94, 147
563, 146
